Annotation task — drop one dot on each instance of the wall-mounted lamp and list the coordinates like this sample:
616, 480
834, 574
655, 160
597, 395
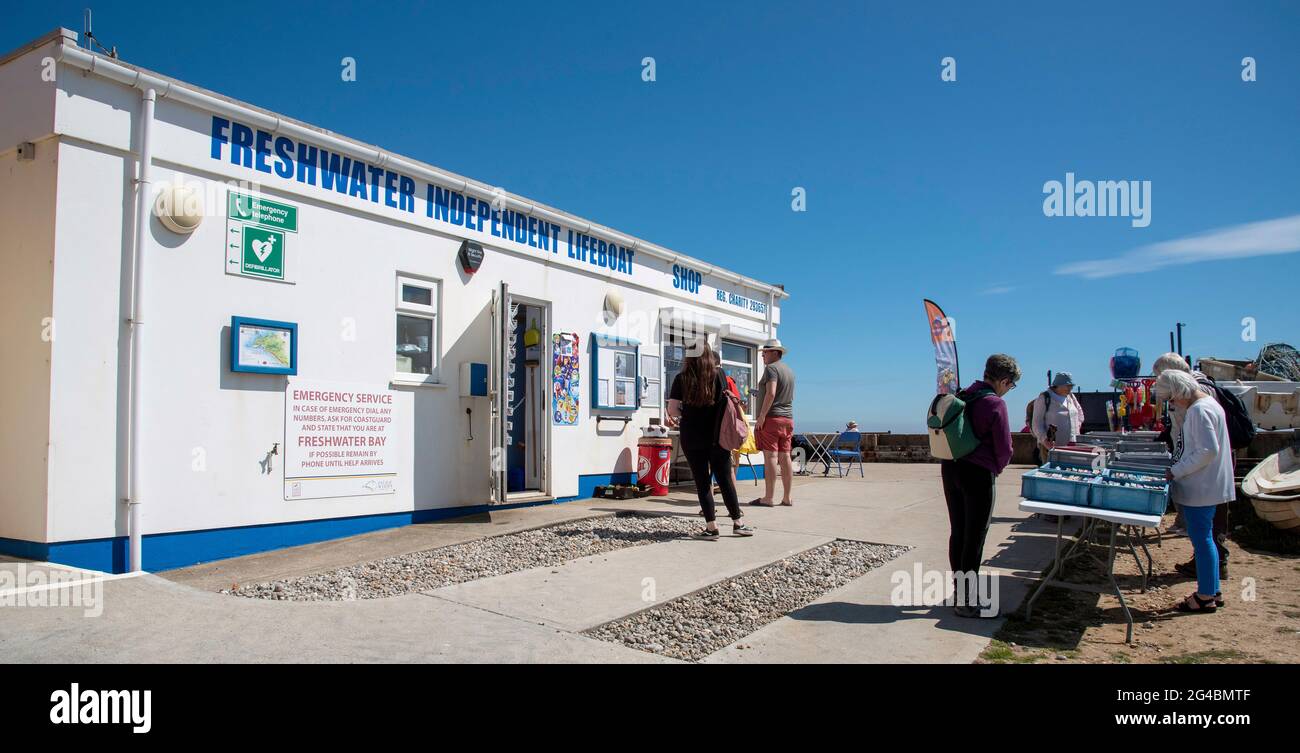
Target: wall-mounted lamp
179, 209
613, 307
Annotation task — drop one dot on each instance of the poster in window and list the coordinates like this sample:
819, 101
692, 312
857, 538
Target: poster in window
624, 365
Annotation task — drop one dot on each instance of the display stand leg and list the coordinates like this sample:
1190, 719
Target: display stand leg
1110, 573
1047, 579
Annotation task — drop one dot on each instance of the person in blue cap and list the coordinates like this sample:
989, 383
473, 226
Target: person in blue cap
1058, 416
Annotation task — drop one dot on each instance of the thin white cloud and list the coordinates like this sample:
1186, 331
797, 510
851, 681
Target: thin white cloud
998, 290
1280, 236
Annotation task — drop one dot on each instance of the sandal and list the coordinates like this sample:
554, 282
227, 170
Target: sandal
1202, 605
787, 504
759, 503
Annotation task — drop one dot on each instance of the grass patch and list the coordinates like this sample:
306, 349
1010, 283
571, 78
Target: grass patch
1211, 656
999, 652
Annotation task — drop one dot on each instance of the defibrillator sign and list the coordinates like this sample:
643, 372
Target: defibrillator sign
256, 232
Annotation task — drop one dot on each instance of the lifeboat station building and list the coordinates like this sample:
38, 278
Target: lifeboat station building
227, 331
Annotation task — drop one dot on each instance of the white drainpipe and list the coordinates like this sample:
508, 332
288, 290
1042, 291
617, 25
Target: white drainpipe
135, 330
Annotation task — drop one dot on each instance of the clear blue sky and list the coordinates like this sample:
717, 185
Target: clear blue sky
915, 187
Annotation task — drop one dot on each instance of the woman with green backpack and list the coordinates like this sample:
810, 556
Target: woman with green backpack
969, 478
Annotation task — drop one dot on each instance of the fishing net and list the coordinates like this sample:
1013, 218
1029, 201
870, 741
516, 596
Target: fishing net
1280, 360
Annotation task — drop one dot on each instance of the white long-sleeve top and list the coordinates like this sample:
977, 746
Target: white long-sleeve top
1176, 413
1202, 466
1065, 413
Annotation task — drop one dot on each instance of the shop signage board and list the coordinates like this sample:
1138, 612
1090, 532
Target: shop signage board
339, 440
256, 233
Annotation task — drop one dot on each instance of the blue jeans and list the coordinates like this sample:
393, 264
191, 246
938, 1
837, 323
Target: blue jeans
1200, 529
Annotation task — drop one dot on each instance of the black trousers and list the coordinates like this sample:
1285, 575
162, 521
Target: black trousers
715, 461
968, 489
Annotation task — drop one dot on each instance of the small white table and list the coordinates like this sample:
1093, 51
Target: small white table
819, 445
1091, 516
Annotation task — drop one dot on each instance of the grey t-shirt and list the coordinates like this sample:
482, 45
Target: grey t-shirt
783, 402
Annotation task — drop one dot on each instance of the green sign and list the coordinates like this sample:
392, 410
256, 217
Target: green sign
263, 212
263, 252
256, 232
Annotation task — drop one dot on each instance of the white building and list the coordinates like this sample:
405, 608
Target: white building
130, 419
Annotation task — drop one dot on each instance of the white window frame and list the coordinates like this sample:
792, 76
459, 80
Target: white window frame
430, 312
667, 338
655, 376
750, 408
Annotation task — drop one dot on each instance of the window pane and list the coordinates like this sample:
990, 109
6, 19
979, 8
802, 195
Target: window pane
625, 393
651, 398
416, 294
737, 352
673, 355
741, 375
414, 345
624, 365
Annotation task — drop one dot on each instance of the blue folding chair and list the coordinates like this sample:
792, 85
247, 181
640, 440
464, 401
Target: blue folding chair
845, 451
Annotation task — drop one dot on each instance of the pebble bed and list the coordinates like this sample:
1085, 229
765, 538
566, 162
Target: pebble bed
693, 626
484, 558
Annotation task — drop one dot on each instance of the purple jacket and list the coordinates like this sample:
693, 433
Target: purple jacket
988, 418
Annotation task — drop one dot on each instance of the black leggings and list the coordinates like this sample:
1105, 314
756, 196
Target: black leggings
968, 489
715, 461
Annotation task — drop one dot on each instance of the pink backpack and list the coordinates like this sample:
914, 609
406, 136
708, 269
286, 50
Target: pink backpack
734, 430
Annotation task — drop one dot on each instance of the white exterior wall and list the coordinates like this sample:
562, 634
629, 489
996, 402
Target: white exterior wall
346, 256
27, 192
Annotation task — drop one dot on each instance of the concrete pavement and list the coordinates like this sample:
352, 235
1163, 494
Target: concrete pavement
536, 615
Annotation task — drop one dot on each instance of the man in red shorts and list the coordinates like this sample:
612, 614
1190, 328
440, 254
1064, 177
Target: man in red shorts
774, 425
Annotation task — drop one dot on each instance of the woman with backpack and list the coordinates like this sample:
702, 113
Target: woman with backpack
697, 405
1238, 422
969, 481
1058, 416
1202, 478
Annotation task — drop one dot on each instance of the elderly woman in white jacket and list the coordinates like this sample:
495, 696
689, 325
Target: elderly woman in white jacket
1058, 416
1178, 363
1202, 478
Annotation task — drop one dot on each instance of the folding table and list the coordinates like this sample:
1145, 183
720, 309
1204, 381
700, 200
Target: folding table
1092, 516
819, 446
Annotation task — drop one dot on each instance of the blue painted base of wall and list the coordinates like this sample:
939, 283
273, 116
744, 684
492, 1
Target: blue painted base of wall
165, 551
743, 473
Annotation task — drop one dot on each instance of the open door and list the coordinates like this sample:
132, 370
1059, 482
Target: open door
528, 413
498, 391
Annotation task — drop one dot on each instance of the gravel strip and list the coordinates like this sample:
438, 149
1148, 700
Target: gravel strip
484, 558
693, 626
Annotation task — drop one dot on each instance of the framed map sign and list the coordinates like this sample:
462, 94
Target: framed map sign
262, 346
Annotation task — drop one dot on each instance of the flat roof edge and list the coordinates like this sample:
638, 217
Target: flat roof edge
41, 41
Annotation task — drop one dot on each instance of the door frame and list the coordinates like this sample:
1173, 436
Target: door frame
543, 410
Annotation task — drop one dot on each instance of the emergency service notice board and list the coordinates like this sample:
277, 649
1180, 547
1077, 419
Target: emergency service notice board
339, 440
